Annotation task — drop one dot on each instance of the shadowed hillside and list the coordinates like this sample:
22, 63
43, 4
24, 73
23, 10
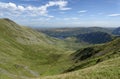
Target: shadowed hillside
69, 32
116, 31
109, 69
97, 62
95, 54
95, 37
90, 35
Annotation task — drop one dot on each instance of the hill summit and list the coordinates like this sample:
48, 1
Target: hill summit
25, 52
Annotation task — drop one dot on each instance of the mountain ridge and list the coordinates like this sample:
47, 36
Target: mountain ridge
28, 54
24, 51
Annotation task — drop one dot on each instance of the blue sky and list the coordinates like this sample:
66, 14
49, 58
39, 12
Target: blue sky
62, 13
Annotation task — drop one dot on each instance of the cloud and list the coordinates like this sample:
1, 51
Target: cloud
62, 4
32, 10
114, 15
82, 11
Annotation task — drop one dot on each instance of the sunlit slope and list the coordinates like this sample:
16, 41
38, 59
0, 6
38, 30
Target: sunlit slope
27, 53
24, 35
95, 54
96, 62
109, 69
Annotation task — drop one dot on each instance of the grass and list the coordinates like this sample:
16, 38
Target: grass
109, 69
25, 54
90, 56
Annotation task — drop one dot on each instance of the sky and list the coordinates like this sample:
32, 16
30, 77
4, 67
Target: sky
62, 13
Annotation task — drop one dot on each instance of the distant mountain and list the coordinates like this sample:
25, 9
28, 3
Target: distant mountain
70, 32
116, 31
95, 37
92, 35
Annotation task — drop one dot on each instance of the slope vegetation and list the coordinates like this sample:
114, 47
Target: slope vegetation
27, 53
98, 62
109, 69
95, 54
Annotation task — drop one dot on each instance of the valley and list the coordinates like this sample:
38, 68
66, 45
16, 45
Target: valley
86, 53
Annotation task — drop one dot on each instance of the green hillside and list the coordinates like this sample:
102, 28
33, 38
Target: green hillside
97, 62
95, 54
109, 69
27, 53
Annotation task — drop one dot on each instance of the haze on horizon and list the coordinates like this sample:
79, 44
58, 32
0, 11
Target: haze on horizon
62, 13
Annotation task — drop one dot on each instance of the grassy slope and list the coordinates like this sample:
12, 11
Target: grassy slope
109, 69
93, 55
27, 53
108, 66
